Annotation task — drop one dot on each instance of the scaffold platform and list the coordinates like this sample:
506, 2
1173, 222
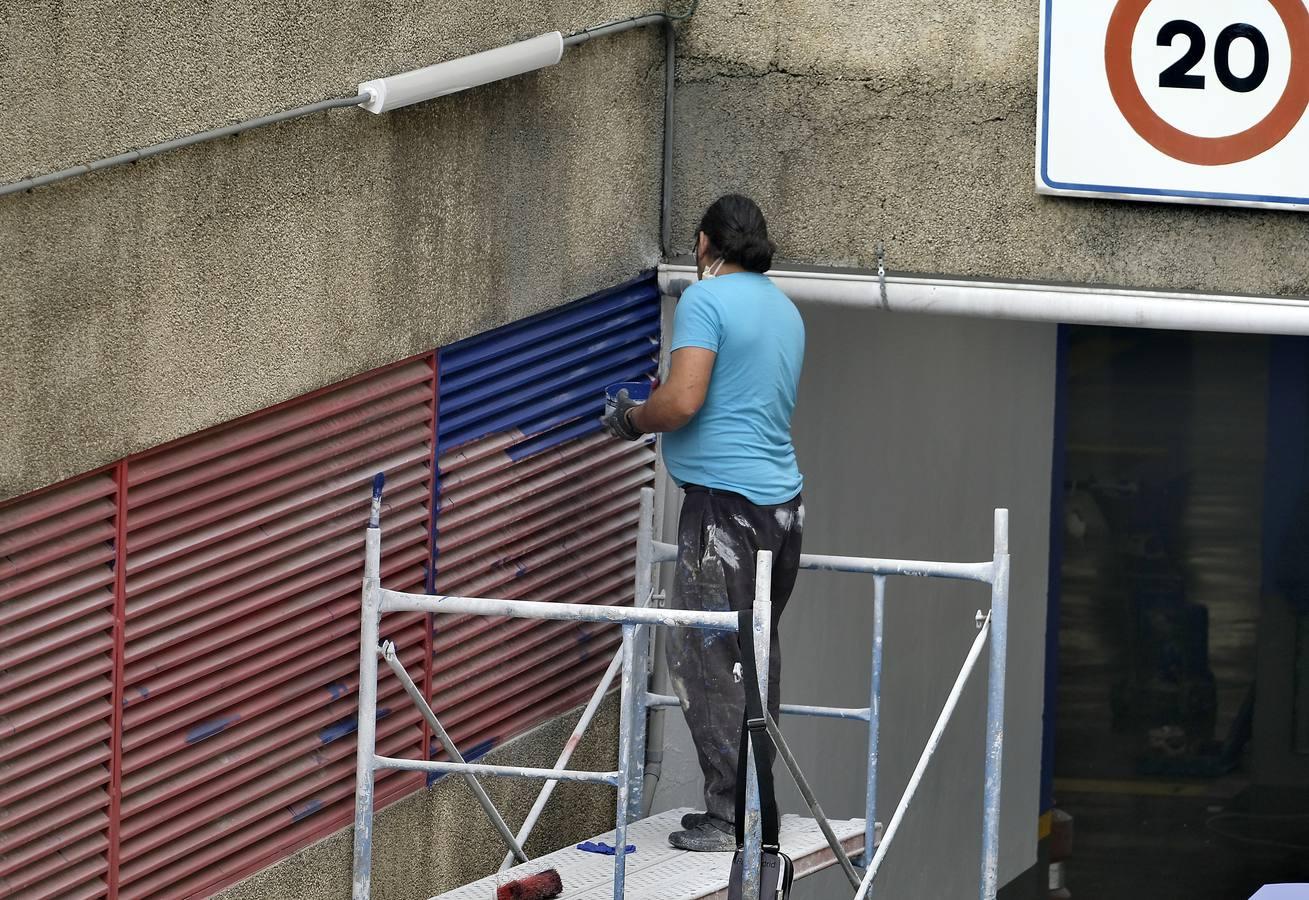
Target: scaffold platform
657, 871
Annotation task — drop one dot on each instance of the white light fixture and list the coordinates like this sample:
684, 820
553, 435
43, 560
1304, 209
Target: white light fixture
386, 94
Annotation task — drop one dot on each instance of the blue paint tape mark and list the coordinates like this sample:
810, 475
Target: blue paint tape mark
480, 750
603, 848
338, 729
304, 810
209, 729
143, 691
434, 777
337, 690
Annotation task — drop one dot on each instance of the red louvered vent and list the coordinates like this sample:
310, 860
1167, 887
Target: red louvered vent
537, 504
563, 528
244, 561
56, 689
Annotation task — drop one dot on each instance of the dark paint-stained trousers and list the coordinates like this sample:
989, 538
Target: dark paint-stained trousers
718, 536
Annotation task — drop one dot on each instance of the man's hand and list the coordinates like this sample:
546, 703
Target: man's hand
618, 423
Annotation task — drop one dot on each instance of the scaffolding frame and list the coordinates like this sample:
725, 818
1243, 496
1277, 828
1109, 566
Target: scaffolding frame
636, 700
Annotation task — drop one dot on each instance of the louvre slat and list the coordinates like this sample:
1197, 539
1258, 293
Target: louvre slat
265, 791
172, 605
55, 606
513, 535
54, 767
59, 881
42, 824
542, 388
454, 643
20, 871
545, 565
214, 703
302, 610
62, 670
310, 709
584, 349
42, 508
606, 479
221, 444
253, 547
56, 538
63, 551
316, 737
498, 347
76, 574
450, 666
78, 636
67, 709
41, 740
56, 741
494, 474
204, 523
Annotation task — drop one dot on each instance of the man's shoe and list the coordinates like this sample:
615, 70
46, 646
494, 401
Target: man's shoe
694, 820
706, 838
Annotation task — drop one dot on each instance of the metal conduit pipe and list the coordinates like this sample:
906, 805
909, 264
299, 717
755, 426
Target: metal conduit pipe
132, 156
1081, 305
364, 98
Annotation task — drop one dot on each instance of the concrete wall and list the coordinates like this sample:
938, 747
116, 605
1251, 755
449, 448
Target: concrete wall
910, 430
914, 123
439, 839
153, 300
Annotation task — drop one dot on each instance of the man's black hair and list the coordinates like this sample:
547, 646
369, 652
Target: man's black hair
737, 230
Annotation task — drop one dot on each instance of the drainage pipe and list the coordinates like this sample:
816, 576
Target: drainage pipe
1083, 305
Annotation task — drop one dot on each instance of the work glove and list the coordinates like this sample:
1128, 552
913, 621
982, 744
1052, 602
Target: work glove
616, 422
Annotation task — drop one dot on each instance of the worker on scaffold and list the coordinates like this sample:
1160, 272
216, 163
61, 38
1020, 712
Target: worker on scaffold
725, 415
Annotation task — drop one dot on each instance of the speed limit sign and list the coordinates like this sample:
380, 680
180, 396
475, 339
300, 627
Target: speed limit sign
1175, 100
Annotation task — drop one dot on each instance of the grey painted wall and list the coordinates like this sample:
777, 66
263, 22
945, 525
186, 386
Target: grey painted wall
910, 431
914, 123
150, 301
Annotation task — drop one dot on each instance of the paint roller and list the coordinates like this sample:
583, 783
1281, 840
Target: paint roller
544, 885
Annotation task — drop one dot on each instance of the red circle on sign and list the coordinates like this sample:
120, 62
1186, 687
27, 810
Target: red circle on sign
1191, 148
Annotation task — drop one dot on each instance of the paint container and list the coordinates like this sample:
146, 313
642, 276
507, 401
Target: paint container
636, 390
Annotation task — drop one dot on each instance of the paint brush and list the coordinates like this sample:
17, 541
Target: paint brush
544, 885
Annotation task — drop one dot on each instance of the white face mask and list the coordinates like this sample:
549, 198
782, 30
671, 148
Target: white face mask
711, 271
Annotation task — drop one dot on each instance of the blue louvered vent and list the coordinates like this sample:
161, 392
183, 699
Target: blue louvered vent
536, 502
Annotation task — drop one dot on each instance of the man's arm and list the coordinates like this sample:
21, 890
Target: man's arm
677, 400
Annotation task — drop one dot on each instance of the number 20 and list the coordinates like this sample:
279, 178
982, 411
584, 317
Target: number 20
1178, 74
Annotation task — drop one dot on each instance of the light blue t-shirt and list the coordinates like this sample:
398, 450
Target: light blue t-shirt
740, 440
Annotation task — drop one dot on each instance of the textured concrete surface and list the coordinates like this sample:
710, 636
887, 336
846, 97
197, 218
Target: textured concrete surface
915, 124
150, 301
952, 418
439, 838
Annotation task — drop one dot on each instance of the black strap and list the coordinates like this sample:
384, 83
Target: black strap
754, 726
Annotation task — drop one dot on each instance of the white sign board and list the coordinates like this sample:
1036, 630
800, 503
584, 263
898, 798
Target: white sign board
1175, 100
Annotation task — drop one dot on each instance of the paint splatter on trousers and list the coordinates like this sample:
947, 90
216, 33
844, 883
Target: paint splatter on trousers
718, 535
